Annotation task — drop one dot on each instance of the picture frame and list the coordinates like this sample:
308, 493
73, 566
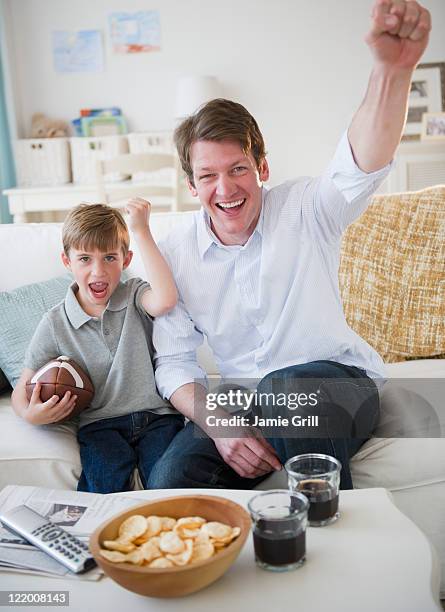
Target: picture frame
433, 126
427, 95
103, 126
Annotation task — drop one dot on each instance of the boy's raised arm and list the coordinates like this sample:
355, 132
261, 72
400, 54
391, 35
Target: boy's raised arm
163, 295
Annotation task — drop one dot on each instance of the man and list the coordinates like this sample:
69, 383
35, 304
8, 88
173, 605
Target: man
257, 272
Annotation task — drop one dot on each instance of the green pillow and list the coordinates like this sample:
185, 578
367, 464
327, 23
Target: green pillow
20, 313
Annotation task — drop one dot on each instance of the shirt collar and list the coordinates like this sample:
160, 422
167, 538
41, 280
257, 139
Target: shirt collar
76, 313
119, 299
206, 237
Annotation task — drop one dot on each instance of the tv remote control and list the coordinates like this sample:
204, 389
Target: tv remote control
52, 539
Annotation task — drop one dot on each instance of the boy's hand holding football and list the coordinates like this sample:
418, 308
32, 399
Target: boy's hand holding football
138, 211
51, 411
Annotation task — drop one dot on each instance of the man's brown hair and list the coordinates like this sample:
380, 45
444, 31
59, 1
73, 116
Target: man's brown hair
95, 226
218, 120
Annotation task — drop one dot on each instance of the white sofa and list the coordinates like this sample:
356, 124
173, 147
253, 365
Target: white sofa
412, 468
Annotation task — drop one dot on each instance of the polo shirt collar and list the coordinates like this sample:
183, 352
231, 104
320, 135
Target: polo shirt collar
74, 310
205, 235
76, 313
119, 299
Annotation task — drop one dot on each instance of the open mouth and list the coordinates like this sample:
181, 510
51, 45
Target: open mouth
231, 208
99, 290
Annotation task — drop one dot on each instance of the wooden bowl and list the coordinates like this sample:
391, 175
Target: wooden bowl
174, 581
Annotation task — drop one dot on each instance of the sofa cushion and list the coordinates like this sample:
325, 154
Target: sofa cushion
35, 250
20, 313
44, 241
392, 270
45, 456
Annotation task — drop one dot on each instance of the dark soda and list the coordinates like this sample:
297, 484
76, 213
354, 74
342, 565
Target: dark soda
323, 499
274, 547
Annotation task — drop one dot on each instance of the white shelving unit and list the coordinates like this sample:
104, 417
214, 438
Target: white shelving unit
33, 201
418, 164
58, 200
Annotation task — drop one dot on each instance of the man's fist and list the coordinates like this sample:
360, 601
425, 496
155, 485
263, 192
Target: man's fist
399, 32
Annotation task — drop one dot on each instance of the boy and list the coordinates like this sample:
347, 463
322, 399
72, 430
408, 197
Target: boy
105, 325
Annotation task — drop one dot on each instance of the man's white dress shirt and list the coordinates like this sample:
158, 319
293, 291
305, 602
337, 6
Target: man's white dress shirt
275, 301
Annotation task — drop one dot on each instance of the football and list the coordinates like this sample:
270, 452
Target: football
60, 375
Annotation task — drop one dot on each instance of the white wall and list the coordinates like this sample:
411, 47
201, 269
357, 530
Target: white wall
300, 66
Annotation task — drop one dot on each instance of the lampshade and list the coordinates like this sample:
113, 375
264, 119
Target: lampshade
192, 91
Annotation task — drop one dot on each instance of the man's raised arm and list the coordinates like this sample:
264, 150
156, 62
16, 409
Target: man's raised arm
398, 37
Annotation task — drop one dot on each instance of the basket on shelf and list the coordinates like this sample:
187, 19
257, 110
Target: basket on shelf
153, 142
42, 162
86, 151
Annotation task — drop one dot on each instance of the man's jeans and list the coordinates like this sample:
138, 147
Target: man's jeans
110, 449
350, 399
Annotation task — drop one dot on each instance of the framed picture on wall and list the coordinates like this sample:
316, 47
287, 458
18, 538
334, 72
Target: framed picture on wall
433, 126
427, 95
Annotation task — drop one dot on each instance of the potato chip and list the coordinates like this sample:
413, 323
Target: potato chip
167, 523
184, 557
145, 540
202, 538
216, 530
189, 526
191, 521
133, 527
185, 533
155, 540
113, 555
202, 549
220, 542
161, 562
136, 557
150, 551
154, 526
171, 543
122, 546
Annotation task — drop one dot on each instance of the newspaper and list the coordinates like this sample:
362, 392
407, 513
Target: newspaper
77, 513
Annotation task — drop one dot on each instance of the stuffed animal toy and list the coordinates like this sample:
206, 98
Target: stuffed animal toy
44, 127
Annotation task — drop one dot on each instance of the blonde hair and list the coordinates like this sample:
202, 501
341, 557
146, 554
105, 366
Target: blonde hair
219, 120
95, 226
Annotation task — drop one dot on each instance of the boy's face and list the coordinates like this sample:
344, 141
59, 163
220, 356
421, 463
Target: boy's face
228, 184
97, 275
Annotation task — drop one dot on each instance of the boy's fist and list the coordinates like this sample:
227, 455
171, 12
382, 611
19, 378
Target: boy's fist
138, 211
55, 379
54, 410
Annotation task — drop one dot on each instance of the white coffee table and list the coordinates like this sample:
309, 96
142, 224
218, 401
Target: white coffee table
373, 558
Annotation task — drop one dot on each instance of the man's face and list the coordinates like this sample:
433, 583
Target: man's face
228, 184
97, 275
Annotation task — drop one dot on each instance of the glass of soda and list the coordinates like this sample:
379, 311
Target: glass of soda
318, 477
279, 529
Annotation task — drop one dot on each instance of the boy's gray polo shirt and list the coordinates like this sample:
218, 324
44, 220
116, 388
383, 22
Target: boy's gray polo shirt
115, 350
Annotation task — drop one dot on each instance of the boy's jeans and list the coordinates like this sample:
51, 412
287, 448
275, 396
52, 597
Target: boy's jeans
110, 449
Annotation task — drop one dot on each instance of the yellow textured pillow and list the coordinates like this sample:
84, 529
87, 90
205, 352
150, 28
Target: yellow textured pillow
392, 274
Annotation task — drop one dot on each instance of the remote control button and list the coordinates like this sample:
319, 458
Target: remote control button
51, 535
